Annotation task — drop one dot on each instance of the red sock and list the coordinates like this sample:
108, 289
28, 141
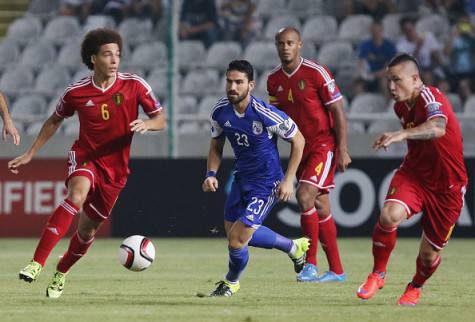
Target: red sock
424, 272
327, 236
56, 227
384, 240
309, 225
77, 248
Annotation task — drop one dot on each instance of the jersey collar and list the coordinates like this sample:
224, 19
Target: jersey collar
296, 69
103, 90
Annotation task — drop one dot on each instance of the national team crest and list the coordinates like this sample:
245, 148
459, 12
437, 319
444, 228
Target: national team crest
392, 191
257, 127
331, 87
118, 98
301, 84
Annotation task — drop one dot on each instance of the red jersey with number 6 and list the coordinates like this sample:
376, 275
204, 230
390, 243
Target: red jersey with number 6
438, 163
104, 118
304, 95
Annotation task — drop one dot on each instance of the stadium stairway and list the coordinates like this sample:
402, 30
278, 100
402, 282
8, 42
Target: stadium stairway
9, 11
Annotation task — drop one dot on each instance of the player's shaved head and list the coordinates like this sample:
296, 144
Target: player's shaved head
408, 63
286, 30
404, 80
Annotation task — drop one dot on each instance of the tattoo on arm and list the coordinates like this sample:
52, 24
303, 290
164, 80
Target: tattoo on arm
430, 132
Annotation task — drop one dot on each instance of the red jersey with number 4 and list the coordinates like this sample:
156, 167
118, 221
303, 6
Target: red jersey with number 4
304, 95
438, 163
104, 118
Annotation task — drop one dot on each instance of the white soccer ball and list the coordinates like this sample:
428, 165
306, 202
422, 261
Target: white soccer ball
136, 253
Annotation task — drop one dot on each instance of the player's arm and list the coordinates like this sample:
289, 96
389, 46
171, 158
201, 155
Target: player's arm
433, 128
156, 123
340, 127
8, 126
47, 130
215, 155
297, 143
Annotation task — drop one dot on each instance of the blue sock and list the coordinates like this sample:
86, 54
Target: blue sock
238, 259
264, 237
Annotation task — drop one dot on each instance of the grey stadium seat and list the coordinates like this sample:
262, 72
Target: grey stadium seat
320, 29
9, 53
391, 27
308, 50
38, 54
191, 54
368, 103
381, 126
278, 22
98, 21
334, 54
136, 31
16, 80
70, 55
263, 55
80, 74
436, 24
305, 8
207, 104
149, 55
24, 30
268, 8
456, 102
469, 106
187, 104
201, 82
71, 125
34, 128
158, 81
355, 127
51, 79
29, 108
62, 28
221, 53
355, 28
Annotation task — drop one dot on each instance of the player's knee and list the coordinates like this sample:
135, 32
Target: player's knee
305, 198
236, 241
87, 233
428, 257
391, 216
77, 197
322, 211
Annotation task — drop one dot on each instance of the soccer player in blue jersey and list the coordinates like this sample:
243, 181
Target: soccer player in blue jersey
252, 128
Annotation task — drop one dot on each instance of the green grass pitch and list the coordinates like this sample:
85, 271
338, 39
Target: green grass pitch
99, 289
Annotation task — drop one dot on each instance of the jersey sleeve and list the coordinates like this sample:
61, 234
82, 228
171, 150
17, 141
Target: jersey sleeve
327, 88
147, 99
276, 121
434, 103
271, 92
64, 108
216, 129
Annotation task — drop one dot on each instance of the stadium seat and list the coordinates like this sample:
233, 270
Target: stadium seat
80, 73
34, 128
391, 27
200, 82
320, 29
436, 24
207, 103
191, 54
29, 108
9, 53
149, 55
467, 126
381, 126
187, 104
263, 55
38, 54
98, 21
51, 79
16, 80
355, 28
60, 29
25, 29
158, 81
368, 103
189, 127
221, 53
278, 22
355, 127
136, 31
345, 80
305, 8
71, 126
308, 50
70, 55
456, 102
269, 8
334, 54
469, 106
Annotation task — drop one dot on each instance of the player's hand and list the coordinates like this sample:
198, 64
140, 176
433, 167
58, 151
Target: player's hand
343, 160
210, 184
14, 164
285, 190
385, 140
139, 125
10, 129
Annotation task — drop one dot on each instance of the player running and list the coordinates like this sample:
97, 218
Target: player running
8, 126
307, 92
432, 177
107, 105
252, 128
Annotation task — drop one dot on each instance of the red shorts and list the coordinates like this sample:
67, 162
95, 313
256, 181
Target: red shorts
318, 167
102, 195
441, 209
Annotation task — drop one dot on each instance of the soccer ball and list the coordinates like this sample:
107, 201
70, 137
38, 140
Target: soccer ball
136, 253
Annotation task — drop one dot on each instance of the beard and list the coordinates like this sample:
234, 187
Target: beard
237, 99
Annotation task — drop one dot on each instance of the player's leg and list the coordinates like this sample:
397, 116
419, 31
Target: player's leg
327, 235
58, 224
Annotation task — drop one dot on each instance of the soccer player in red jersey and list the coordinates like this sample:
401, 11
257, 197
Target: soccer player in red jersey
307, 92
107, 105
432, 177
8, 126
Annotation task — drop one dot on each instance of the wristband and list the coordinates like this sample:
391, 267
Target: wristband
210, 173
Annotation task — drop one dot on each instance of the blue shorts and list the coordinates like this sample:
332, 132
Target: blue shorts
250, 203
